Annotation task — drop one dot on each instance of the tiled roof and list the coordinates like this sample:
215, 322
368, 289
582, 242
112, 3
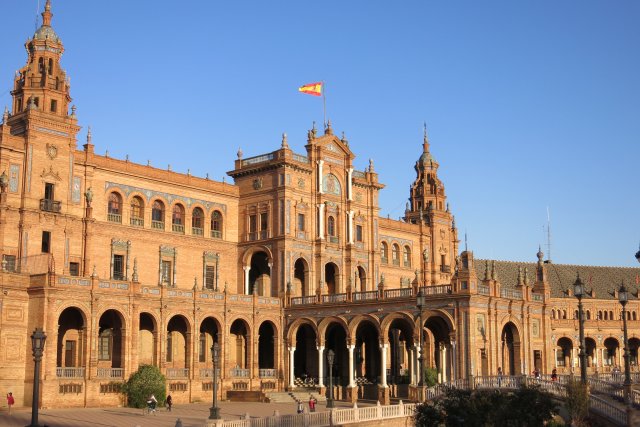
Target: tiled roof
603, 280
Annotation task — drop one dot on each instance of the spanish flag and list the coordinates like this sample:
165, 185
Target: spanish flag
314, 89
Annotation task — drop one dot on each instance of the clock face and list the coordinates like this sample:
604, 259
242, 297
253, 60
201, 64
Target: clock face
52, 151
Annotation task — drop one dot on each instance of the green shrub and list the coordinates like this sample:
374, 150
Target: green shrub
147, 380
577, 402
430, 377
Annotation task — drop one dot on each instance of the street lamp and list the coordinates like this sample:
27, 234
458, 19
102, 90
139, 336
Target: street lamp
38, 339
623, 297
330, 359
578, 291
421, 302
215, 355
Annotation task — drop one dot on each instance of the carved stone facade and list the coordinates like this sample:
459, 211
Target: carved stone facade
293, 259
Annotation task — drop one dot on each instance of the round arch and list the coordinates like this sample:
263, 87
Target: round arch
297, 324
301, 276
357, 320
326, 322
267, 346
72, 341
510, 353
147, 338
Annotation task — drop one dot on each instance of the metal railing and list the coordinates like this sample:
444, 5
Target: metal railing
49, 205
70, 372
177, 372
110, 373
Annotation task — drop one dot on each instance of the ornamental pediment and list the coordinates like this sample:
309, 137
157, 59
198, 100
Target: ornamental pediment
50, 174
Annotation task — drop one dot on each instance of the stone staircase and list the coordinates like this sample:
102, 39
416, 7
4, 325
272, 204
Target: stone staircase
292, 397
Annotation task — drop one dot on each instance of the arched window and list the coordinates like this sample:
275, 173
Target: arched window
588, 314
331, 226
564, 314
610, 315
157, 215
633, 315
575, 314
395, 254
406, 256
553, 314
177, 219
137, 212
197, 222
384, 252
216, 225
599, 314
114, 213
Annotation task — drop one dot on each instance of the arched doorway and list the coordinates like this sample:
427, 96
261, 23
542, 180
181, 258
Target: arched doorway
634, 344
110, 339
437, 348
260, 274
331, 278
336, 340
178, 354
611, 346
590, 349
367, 359
209, 334
71, 343
267, 350
361, 278
510, 350
147, 339
300, 275
564, 353
239, 348
400, 338
305, 357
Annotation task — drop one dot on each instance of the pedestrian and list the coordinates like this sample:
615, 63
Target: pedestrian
169, 402
152, 402
10, 401
300, 407
312, 403
499, 376
554, 375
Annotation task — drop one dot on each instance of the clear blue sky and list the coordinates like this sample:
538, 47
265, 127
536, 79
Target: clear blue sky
529, 104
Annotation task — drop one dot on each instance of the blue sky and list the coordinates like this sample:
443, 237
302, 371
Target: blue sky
529, 104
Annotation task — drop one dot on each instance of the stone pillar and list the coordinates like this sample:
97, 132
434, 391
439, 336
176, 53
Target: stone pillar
383, 364
415, 365
352, 382
291, 370
246, 279
350, 235
349, 184
321, 221
320, 366
320, 163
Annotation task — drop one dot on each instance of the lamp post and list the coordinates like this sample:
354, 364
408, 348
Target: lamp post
578, 291
330, 359
38, 339
623, 297
215, 356
421, 301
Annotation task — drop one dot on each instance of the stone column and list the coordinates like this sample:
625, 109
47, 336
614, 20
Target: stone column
352, 382
383, 367
291, 370
350, 216
321, 221
246, 269
320, 366
349, 184
320, 163
411, 365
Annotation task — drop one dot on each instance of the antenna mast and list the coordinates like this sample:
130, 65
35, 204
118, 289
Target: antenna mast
36, 20
548, 235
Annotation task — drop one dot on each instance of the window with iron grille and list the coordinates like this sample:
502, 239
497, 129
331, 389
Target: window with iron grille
118, 267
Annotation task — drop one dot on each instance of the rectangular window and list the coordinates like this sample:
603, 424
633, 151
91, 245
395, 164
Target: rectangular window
104, 346
54, 106
9, 263
264, 221
169, 347
46, 242
74, 268
118, 267
202, 352
166, 273
69, 353
358, 233
300, 222
48, 191
210, 276
253, 224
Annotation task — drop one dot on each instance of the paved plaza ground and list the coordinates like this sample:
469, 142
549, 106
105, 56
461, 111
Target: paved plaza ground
192, 415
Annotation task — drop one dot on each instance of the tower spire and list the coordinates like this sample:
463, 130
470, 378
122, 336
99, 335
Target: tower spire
425, 142
47, 15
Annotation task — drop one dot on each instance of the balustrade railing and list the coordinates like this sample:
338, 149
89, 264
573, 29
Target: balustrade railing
364, 296
110, 373
510, 293
70, 372
177, 228
208, 372
398, 293
137, 222
608, 410
436, 290
309, 299
158, 225
484, 290
267, 373
177, 372
239, 373
49, 205
332, 298
112, 217
257, 159
197, 231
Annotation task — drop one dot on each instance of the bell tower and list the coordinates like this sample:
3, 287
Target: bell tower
427, 191
42, 84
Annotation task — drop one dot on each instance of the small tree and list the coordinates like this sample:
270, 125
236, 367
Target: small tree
147, 380
430, 377
577, 402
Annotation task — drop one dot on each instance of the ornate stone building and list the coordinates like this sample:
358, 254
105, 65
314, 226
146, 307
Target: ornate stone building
125, 264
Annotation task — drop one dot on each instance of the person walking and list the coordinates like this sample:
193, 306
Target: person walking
499, 377
169, 402
10, 401
300, 408
554, 375
312, 403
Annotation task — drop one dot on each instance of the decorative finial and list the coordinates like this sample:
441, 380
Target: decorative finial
284, 140
371, 165
148, 162
344, 140
126, 157
73, 110
314, 131
188, 172
135, 270
5, 115
447, 206
328, 130
494, 273
89, 135
540, 254
46, 15
453, 223
526, 276
207, 176
520, 278
239, 153
169, 167
487, 273
106, 153
425, 140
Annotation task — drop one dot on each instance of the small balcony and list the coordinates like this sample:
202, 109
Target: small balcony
177, 228
157, 225
216, 234
137, 222
69, 372
49, 205
177, 373
110, 373
445, 268
239, 373
197, 231
113, 217
267, 373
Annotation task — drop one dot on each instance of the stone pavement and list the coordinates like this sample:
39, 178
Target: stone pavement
192, 415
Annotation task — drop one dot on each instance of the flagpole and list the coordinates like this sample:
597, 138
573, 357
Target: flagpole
324, 105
